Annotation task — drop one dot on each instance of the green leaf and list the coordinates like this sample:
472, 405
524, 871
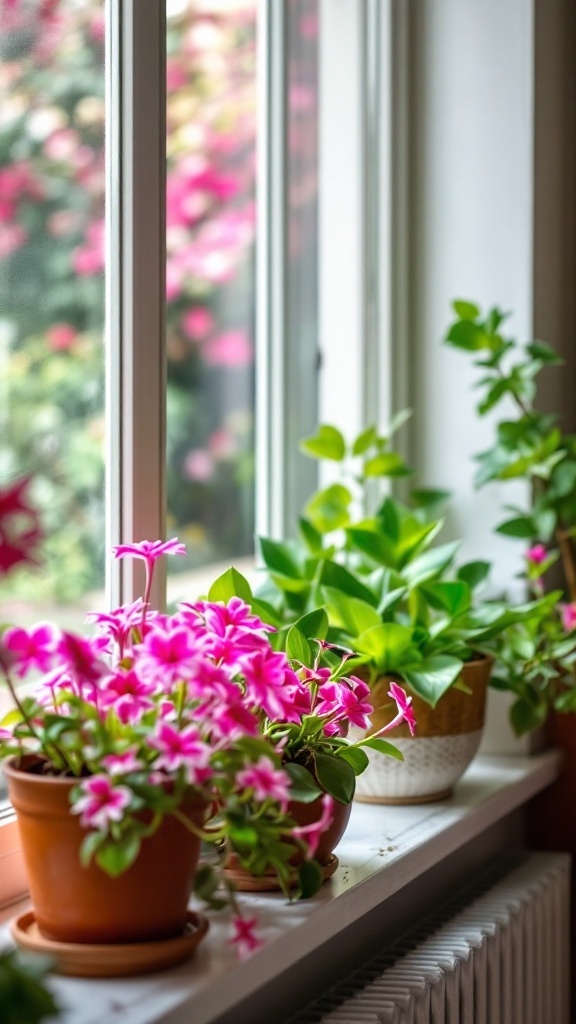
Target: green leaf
390, 646
303, 787
350, 613
544, 353
466, 335
335, 575
116, 856
364, 441
328, 509
310, 535
313, 625
434, 677
525, 716
230, 584
429, 498
474, 573
383, 747
453, 596
91, 842
278, 558
386, 464
206, 882
520, 526
326, 443
335, 776
310, 878
465, 310
430, 563
297, 647
398, 420
355, 757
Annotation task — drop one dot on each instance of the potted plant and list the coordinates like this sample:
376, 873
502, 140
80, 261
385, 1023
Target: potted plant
535, 660
161, 732
396, 598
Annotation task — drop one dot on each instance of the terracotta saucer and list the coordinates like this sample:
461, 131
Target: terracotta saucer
246, 882
87, 960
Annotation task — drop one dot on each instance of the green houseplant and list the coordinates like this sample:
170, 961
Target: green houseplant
535, 659
160, 732
391, 594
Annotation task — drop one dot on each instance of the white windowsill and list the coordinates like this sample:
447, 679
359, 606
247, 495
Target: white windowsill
385, 848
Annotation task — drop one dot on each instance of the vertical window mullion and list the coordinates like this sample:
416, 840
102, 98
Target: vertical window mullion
136, 240
271, 346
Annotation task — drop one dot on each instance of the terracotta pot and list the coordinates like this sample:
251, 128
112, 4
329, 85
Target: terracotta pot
447, 738
76, 904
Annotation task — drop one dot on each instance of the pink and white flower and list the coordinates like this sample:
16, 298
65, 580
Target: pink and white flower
266, 781
244, 937
312, 833
102, 802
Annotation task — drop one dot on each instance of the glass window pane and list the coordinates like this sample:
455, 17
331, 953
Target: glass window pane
211, 113
52, 295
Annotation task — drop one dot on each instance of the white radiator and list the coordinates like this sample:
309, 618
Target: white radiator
499, 957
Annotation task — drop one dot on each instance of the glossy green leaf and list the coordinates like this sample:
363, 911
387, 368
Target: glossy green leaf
335, 776
386, 464
350, 613
452, 596
544, 353
303, 787
310, 535
116, 857
329, 509
309, 878
383, 747
465, 310
326, 443
313, 625
230, 584
521, 527
297, 647
430, 563
355, 757
335, 575
469, 336
474, 573
278, 558
390, 646
433, 677
364, 441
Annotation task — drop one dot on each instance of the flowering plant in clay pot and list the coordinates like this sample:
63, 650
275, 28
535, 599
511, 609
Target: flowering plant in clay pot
535, 659
185, 722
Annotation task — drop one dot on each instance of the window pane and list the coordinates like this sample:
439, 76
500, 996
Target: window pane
52, 294
211, 112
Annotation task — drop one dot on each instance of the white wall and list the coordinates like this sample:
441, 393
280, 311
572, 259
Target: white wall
472, 228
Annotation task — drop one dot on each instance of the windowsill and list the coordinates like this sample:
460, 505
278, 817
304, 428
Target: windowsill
385, 848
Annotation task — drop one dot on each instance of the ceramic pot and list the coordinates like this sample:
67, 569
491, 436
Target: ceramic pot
447, 738
84, 905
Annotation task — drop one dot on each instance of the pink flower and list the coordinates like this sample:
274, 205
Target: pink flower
127, 694
198, 323
568, 613
102, 803
235, 613
166, 655
536, 554
231, 349
20, 530
198, 465
264, 672
244, 937
266, 781
345, 700
150, 550
61, 337
82, 657
405, 711
182, 749
31, 648
122, 764
118, 624
312, 833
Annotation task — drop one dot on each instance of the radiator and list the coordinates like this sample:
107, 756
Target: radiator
495, 955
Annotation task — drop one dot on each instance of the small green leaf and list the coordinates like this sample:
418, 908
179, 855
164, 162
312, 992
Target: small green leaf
545, 353
364, 441
313, 625
521, 527
464, 334
328, 509
525, 716
474, 573
310, 878
335, 776
206, 882
383, 747
230, 584
465, 310
434, 677
429, 498
297, 647
335, 575
355, 757
303, 787
350, 613
278, 558
310, 535
386, 464
116, 856
326, 443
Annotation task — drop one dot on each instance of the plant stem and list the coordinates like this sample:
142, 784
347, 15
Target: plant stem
567, 555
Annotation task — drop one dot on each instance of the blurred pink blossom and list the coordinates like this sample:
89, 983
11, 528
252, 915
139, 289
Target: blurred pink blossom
12, 237
536, 554
568, 613
244, 938
198, 323
198, 465
231, 348
61, 337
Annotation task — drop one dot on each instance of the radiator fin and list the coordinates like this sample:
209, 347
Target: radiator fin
498, 956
